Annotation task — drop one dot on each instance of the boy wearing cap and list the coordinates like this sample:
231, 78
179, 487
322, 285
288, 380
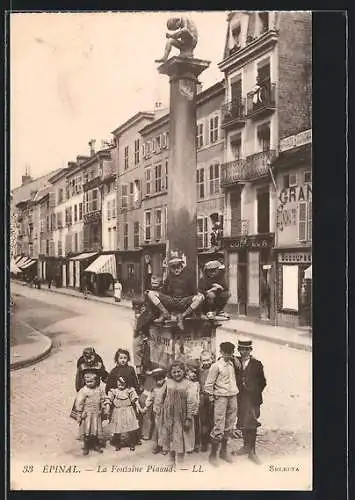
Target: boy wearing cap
251, 382
215, 291
221, 385
177, 295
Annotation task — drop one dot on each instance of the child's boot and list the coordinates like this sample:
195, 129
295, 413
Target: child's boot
86, 446
252, 455
117, 441
224, 453
97, 445
133, 440
244, 450
172, 458
213, 459
156, 449
164, 316
204, 443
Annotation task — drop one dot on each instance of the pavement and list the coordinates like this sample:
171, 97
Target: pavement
27, 345
41, 397
37, 345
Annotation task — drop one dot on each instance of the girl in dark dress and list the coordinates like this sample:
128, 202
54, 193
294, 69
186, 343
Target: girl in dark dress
123, 369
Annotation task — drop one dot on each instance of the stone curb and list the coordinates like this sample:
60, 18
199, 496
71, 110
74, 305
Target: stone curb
30, 360
274, 340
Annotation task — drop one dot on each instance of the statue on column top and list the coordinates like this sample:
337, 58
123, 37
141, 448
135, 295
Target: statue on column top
184, 38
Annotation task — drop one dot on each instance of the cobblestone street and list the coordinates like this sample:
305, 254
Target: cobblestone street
42, 394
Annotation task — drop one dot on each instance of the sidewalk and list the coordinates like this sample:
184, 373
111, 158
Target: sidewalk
291, 337
28, 345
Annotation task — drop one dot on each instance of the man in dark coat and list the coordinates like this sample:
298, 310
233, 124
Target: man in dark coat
89, 360
251, 382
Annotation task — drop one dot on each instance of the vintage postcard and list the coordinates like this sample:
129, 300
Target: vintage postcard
161, 250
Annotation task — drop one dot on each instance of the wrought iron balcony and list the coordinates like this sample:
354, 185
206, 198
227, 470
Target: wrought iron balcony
233, 114
262, 100
248, 169
232, 172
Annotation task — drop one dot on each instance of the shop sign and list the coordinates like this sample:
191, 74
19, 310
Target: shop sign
254, 241
295, 141
295, 194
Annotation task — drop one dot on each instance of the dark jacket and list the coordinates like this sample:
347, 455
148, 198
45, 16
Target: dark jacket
252, 379
206, 283
97, 366
179, 286
127, 371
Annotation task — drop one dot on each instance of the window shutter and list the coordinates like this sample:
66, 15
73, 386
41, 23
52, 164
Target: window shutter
302, 220
143, 150
309, 222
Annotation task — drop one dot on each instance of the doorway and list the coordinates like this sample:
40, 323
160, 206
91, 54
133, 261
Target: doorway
242, 282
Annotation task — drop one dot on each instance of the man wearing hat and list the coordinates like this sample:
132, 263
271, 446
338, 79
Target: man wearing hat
221, 386
177, 295
251, 383
215, 291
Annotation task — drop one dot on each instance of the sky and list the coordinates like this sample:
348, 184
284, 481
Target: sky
78, 76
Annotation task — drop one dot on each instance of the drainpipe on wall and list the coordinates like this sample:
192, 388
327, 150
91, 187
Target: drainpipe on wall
274, 267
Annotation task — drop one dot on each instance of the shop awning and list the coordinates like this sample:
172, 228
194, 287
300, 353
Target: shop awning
22, 262
103, 264
14, 268
28, 264
84, 256
308, 273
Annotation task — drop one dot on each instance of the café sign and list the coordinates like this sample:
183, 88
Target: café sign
251, 242
295, 141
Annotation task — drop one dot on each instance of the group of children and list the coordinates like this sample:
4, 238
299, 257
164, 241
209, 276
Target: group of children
188, 407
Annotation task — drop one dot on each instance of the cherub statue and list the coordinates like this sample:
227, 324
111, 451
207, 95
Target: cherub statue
184, 37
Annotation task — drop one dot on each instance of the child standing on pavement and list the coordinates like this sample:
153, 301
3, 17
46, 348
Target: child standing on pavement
206, 406
87, 411
221, 386
124, 406
178, 405
154, 402
192, 376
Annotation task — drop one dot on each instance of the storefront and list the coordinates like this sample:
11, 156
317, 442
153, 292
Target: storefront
75, 268
130, 272
294, 287
250, 273
293, 248
104, 270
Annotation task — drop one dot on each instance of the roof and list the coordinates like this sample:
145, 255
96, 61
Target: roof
215, 89
41, 193
132, 121
293, 157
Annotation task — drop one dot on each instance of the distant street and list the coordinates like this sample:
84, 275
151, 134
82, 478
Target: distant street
42, 395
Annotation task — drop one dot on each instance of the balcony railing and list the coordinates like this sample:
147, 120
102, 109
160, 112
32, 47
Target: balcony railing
262, 100
233, 113
248, 169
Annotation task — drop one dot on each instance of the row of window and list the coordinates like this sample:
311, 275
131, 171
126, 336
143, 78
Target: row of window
290, 180
155, 145
153, 224
212, 182
111, 209
74, 186
213, 132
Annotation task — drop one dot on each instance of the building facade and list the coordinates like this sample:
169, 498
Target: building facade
129, 180
293, 238
266, 64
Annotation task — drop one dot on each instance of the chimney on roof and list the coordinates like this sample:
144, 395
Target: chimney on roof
92, 147
26, 179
